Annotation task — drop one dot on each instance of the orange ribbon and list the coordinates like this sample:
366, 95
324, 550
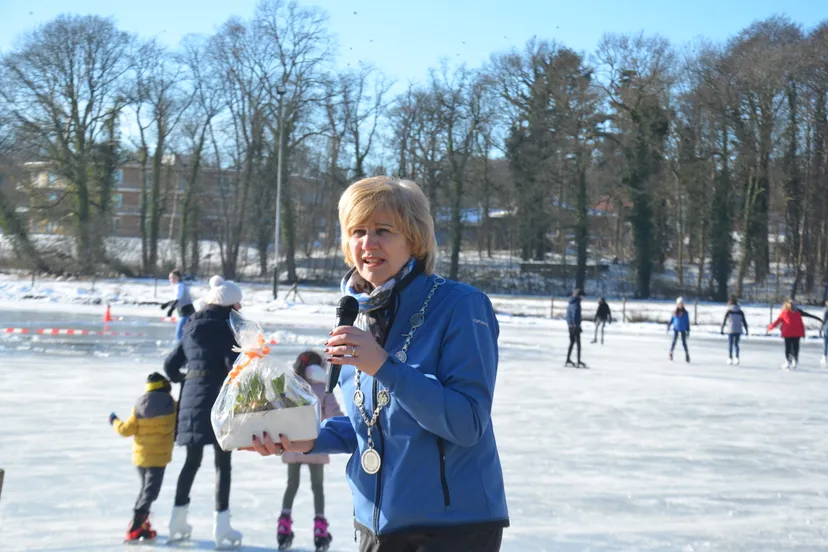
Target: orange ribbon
250, 354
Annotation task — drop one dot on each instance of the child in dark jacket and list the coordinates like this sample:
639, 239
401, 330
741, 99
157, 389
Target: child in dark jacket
680, 324
152, 424
602, 317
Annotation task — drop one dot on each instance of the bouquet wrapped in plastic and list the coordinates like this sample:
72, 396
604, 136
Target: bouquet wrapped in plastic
261, 394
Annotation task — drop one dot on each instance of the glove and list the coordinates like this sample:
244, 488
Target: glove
112, 418
167, 305
170, 312
722, 332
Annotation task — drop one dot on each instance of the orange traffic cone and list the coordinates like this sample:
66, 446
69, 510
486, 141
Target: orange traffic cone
107, 315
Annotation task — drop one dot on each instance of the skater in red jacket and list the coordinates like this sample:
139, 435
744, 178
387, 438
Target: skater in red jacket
793, 329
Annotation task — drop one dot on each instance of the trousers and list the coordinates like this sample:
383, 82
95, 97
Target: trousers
317, 472
191, 464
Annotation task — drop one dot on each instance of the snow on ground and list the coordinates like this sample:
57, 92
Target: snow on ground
635, 454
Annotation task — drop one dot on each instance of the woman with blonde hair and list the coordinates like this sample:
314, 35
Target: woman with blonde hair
793, 329
418, 378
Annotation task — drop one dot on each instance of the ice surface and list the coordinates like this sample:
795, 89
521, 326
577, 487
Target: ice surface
636, 454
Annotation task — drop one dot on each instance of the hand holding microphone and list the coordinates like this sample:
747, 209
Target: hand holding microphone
362, 350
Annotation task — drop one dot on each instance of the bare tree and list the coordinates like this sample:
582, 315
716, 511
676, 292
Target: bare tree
62, 89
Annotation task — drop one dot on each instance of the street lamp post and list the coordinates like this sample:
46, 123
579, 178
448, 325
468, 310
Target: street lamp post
281, 91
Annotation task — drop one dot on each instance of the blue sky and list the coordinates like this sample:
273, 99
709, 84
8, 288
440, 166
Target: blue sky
404, 38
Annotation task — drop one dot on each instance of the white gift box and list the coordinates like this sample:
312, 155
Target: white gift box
298, 423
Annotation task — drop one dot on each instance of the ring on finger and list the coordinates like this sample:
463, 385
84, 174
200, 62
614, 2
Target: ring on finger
354, 350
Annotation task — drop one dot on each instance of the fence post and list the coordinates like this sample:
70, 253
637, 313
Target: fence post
770, 307
33, 279
695, 312
624, 310
552, 308
2, 473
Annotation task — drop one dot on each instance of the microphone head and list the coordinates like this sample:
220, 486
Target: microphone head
347, 310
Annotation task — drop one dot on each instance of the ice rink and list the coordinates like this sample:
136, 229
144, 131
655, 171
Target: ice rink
636, 453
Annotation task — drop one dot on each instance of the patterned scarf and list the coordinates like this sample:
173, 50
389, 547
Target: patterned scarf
374, 310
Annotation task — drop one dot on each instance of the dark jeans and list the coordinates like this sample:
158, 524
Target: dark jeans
574, 339
733, 343
600, 323
151, 479
193, 461
481, 539
792, 348
317, 472
683, 341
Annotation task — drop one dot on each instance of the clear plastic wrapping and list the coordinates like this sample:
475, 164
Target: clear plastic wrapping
262, 394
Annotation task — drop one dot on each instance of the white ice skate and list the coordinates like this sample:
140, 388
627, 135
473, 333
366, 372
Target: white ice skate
786, 365
729, 361
736, 361
180, 530
793, 364
225, 537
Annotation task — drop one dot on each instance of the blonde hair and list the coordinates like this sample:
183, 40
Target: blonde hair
788, 306
404, 201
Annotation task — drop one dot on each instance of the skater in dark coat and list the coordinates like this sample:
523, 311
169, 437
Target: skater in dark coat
737, 321
206, 349
602, 318
573, 321
680, 324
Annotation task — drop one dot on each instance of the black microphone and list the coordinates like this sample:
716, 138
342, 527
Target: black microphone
346, 314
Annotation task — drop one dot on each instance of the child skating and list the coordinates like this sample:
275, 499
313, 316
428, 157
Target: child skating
680, 324
602, 318
573, 321
793, 330
152, 423
737, 320
308, 366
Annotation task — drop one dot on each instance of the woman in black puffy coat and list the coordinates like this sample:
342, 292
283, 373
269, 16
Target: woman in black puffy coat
206, 351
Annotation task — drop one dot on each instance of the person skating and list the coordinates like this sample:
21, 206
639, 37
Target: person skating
183, 302
309, 367
738, 321
573, 321
793, 330
206, 350
152, 426
824, 336
602, 318
680, 324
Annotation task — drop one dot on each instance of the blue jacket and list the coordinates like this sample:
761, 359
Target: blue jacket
680, 322
206, 350
573, 311
440, 465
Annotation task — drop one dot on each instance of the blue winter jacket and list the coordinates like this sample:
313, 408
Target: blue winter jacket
573, 311
680, 322
440, 465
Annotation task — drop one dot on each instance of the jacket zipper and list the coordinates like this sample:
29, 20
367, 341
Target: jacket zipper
378, 495
441, 448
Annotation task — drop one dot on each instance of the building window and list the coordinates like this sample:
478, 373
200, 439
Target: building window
182, 183
118, 176
51, 227
53, 178
116, 224
119, 201
148, 179
52, 197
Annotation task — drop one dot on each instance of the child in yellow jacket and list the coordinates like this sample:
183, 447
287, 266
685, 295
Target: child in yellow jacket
152, 423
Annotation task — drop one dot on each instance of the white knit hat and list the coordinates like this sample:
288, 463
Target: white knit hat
315, 374
680, 301
223, 293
